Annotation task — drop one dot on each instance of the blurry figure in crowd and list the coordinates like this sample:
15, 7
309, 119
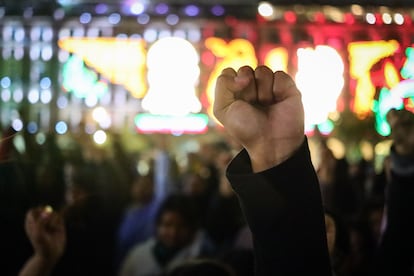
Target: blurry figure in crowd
202, 267
90, 226
137, 224
178, 238
395, 255
337, 191
14, 201
337, 236
224, 218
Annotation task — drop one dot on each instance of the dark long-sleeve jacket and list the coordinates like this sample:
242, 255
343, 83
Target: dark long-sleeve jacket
284, 211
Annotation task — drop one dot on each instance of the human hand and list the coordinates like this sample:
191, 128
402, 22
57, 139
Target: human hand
263, 111
46, 232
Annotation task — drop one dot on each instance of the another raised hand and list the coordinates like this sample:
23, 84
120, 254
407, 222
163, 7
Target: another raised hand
46, 232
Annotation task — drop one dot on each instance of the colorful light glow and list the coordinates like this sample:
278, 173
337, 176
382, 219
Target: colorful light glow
173, 73
234, 54
190, 123
122, 61
277, 59
320, 79
80, 80
396, 95
362, 57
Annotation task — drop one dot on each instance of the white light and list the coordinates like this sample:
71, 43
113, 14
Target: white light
143, 19
386, 18
399, 18
46, 96
45, 83
17, 124
18, 53
137, 8
18, 95
150, 35
33, 96
61, 127
265, 9
35, 52
85, 18
19, 34
47, 34
114, 18
47, 52
99, 137
320, 80
172, 19
100, 114
173, 73
5, 82
370, 18
62, 102
5, 95
91, 100
35, 33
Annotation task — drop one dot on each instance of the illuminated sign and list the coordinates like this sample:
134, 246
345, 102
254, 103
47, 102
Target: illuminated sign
172, 75
166, 76
121, 61
177, 125
234, 54
320, 79
82, 81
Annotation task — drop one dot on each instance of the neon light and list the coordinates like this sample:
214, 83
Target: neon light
191, 123
121, 61
326, 127
277, 59
172, 76
407, 71
80, 80
362, 56
235, 54
320, 80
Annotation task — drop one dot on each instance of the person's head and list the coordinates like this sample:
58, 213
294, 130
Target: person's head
176, 221
202, 267
402, 125
82, 182
142, 189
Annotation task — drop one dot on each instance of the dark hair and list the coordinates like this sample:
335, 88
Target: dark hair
202, 267
183, 205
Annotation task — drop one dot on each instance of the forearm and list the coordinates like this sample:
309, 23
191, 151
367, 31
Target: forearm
283, 208
37, 265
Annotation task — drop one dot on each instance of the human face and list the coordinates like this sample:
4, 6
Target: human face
173, 231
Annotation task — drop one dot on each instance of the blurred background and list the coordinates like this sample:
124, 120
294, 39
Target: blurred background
95, 94
140, 68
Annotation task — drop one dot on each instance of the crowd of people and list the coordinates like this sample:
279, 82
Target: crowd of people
265, 210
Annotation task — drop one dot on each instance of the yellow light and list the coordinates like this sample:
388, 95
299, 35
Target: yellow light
234, 54
362, 56
122, 61
277, 59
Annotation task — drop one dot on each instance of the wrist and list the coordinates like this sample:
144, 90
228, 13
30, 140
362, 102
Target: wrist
270, 155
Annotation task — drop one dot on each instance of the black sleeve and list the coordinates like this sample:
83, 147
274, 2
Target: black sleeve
283, 208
